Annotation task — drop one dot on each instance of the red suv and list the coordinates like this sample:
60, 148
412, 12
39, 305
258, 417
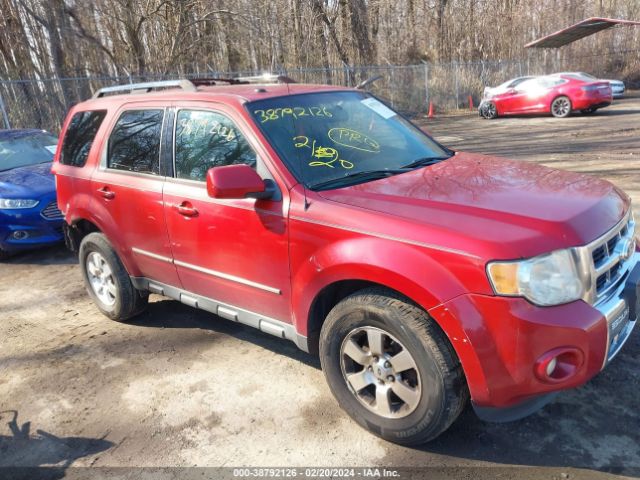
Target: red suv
421, 276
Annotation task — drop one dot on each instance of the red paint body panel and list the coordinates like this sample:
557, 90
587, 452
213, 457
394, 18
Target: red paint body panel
428, 234
515, 102
491, 207
243, 238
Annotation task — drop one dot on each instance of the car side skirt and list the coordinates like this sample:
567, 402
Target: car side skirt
265, 324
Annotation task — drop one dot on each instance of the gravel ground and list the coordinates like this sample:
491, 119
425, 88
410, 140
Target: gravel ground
180, 387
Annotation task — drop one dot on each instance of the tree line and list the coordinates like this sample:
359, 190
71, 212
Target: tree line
80, 38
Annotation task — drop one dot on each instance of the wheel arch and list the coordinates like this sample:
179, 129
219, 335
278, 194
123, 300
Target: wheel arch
346, 267
325, 300
76, 229
80, 225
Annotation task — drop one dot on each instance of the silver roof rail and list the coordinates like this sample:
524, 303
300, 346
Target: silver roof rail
146, 87
266, 78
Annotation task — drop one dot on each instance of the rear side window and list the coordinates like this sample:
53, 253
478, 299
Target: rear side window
551, 82
134, 144
205, 140
79, 137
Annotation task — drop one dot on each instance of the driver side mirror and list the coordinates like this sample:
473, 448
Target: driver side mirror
237, 181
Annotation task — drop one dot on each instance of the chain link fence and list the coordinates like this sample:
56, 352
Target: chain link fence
43, 103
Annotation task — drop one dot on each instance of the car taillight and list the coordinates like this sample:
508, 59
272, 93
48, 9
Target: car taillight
590, 88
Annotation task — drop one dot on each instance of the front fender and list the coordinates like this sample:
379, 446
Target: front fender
408, 269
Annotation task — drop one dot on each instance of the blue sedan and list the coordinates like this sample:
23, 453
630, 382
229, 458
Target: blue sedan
29, 215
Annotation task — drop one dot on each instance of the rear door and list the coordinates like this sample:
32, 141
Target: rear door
128, 192
234, 251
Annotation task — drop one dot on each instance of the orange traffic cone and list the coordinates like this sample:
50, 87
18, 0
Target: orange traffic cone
471, 103
430, 115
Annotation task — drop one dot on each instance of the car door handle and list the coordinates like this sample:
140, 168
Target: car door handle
106, 193
186, 209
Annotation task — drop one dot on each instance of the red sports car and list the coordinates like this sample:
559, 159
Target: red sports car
558, 94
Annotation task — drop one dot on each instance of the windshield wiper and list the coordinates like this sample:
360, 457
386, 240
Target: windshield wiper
357, 177
425, 162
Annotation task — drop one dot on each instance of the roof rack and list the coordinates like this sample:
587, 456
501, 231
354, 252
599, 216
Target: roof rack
190, 85
146, 87
267, 78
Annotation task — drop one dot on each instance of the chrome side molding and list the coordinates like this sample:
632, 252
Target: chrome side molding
206, 271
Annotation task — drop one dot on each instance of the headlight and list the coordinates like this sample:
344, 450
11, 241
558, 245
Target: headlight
546, 280
6, 203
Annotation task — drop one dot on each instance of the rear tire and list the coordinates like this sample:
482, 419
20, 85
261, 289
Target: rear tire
561, 107
107, 281
391, 368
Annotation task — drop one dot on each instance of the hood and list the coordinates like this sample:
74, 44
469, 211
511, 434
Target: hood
27, 182
531, 208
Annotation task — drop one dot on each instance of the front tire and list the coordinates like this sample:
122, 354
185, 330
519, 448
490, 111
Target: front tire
107, 281
4, 255
391, 368
561, 107
489, 111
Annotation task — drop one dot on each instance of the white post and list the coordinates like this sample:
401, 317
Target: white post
5, 117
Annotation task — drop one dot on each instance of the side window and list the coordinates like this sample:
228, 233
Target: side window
134, 144
550, 82
527, 85
205, 140
79, 137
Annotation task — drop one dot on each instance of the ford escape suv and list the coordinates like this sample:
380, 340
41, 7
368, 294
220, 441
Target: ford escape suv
422, 277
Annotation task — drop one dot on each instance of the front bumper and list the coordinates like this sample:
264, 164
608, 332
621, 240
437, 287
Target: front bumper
502, 341
33, 227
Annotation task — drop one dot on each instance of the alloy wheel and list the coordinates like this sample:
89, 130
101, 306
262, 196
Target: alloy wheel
491, 111
380, 372
101, 278
561, 107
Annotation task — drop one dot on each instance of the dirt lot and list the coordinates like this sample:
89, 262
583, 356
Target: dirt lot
180, 387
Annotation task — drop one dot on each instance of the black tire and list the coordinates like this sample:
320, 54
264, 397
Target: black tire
4, 255
443, 391
127, 300
561, 107
589, 111
489, 111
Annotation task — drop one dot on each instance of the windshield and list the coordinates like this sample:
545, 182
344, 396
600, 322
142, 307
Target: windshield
329, 135
514, 83
26, 149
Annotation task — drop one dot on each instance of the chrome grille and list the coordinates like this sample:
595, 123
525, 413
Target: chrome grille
610, 259
51, 212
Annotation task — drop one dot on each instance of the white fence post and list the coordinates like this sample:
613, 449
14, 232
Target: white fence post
455, 73
5, 117
426, 83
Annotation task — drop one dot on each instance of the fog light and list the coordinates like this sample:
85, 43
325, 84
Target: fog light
20, 235
559, 365
551, 366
